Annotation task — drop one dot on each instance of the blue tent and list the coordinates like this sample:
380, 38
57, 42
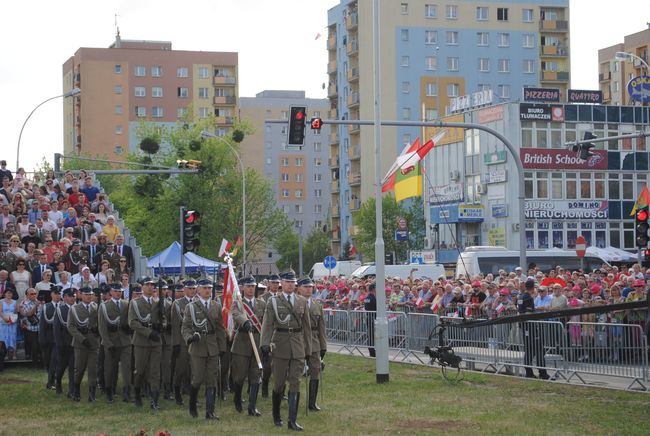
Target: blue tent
169, 260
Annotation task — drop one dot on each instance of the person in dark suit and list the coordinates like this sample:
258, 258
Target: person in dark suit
370, 305
6, 284
59, 232
124, 251
41, 267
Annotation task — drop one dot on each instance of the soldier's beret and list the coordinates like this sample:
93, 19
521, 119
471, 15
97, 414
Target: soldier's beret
204, 282
248, 280
289, 276
273, 278
305, 281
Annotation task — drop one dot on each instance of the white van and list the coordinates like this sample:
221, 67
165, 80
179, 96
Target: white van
486, 260
428, 270
343, 267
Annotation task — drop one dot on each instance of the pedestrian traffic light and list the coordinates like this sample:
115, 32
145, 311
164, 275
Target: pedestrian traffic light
297, 121
584, 150
388, 258
646, 253
191, 228
316, 123
642, 226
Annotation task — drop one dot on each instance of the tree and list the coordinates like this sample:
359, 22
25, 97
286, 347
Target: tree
286, 243
346, 251
315, 247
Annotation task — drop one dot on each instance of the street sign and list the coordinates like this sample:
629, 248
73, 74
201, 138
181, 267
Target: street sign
329, 262
581, 246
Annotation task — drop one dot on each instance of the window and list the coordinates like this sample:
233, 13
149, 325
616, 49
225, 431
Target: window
119, 130
118, 89
285, 161
140, 111
204, 112
405, 34
527, 15
204, 72
318, 193
181, 112
182, 72
405, 61
431, 89
503, 91
431, 63
140, 91
156, 71
404, 7
528, 40
318, 161
118, 109
452, 64
482, 13
284, 115
484, 87
430, 37
482, 39
406, 87
406, 113
157, 91
140, 71
203, 93
298, 161
298, 193
453, 89
157, 112
451, 12
529, 66
431, 114
318, 177
452, 37
504, 39
484, 64
430, 11
318, 208
504, 65
119, 149
118, 69
300, 177
318, 147
298, 208
502, 14
183, 92
285, 193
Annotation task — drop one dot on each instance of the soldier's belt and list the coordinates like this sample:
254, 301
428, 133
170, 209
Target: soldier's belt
281, 330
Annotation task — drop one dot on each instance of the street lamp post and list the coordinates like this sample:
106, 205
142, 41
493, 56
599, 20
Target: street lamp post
71, 93
206, 134
626, 56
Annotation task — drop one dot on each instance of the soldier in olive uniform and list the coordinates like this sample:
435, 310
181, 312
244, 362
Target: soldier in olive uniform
247, 314
286, 334
180, 355
116, 340
74, 256
82, 325
318, 341
274, 287
166, 358
205, 335
46, 334
146, 323
63, 342
7, 258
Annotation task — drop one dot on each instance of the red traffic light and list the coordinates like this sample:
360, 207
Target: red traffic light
191, 217
646, 253
300, 115
316, 123
642, 215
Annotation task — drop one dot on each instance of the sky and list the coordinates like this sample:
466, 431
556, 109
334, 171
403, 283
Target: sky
275, 39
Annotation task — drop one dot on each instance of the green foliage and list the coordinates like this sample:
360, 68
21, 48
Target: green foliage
286, 243
149, 145
346, 251
315, 247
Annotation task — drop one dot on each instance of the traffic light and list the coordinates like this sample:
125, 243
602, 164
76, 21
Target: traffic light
388, 258
189, 164
297, 122
316, 123
191, 228
642, 226
584, 150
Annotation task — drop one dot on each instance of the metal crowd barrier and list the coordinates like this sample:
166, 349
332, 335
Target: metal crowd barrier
566, 351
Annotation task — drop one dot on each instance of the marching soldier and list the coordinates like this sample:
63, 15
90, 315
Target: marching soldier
204, 333
46, 335
180, 355
247, 314
116, 340
274, 287
63, 342
318, 341
286, 327
146, 323
82, 325
166, 359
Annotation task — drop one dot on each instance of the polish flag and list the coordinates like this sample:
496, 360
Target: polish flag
225, 247
468, 312
419, 302
435, 308
500, 308
230, 293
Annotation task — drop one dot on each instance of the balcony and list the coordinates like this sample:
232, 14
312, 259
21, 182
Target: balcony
335, 210
331, 42
227, 99
354, 179
353, 100
555, 76
222, 121
335, 187
334, 162
353, 74
554, 26
336, 236
353, 48
332, 91
354, 152
555, 51
354, 205
331, 67
334, 138
352, 21
604, 77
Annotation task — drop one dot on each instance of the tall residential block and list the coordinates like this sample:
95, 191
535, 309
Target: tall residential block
615, 73
131, 81
431, 52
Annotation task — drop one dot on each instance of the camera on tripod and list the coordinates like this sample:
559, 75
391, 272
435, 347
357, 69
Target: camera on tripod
444, 356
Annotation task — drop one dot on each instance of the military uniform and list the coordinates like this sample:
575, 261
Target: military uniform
82, 325
63, 343
74, 257
180, 354
286, 334
111, 256
204, 332
266, 358
7, 258
145, 321
166, 359
46, 338
116, 340
244, 364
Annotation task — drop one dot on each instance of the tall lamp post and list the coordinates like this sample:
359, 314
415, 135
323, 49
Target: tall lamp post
71, 93
625, 56
206, 134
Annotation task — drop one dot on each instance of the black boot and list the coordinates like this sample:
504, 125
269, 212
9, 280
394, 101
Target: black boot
168, 393
252, 400
210, 399
194, 393
138, 397
109, 394
126, 394
543, 374
178, 396
313, 394
277, 399
154, 400
237, 398
91, 394
530, 373
294, 400
59, 389
76, 396
284, 395
265, 388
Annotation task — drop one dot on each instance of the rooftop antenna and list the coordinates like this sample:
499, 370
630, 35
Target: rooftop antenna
118, 40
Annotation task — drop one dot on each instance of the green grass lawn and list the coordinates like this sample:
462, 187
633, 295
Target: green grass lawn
417, 400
